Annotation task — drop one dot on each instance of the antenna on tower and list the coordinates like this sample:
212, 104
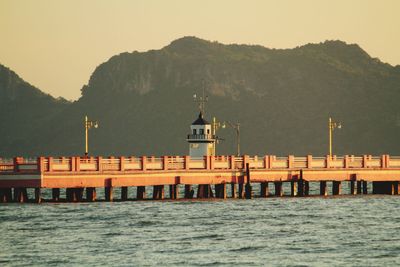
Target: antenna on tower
202, 100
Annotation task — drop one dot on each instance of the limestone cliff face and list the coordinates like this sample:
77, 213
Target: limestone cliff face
282, 98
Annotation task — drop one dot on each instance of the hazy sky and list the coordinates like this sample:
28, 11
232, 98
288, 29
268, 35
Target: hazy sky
56, 44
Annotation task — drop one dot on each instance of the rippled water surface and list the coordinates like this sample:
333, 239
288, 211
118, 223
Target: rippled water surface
344, 231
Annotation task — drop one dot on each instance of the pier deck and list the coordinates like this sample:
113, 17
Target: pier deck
75, 174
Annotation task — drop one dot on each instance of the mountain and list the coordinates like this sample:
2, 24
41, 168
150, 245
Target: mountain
281, 97
25, 113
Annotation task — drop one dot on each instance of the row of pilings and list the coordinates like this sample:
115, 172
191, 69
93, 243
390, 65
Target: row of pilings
300, 188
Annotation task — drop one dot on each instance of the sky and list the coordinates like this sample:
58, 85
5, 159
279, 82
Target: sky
56, 45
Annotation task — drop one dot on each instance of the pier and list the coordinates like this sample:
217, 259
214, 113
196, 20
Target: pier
79, 179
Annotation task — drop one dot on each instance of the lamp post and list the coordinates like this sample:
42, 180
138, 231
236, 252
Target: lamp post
236, 127
214, 127
331, 126
88, 125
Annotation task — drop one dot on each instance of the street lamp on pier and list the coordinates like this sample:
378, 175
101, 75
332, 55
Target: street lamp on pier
88, 125
331, 126
236, 127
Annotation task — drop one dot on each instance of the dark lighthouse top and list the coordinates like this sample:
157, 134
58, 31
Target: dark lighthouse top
200, 120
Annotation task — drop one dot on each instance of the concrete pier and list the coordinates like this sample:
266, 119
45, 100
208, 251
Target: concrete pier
79, 175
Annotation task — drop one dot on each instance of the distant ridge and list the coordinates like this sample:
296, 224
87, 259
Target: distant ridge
281, 97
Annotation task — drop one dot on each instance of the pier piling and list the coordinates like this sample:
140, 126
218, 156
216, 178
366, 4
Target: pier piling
336, 188
365, 187
90, 194
55, 194
359, 187
108, 193
353, 187
264, 189
233, 190
141, 192
173, 191
124, 193
306, 188
323, 188
278, 189
293, 188
38, 197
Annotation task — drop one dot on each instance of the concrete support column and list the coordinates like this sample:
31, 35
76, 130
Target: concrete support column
264, 189
173, 191
158, 192
386, 188
217, 190
336, 188
221, 188
38, 197
323, 188
293, 188
69, 195
359, 189
124, 193
248, 191
108, 193
141, 192
5, 195
189, 192
241, 190
396, 186
278, 189
91, 194
20, 195
306, 188
352, 187
204, 191
233, 190
365, 187
55, 194
300, 187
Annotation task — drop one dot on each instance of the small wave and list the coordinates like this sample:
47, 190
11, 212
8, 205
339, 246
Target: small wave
247, 248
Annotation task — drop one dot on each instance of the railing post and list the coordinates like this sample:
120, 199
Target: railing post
346, 161
207, 162
328, 161
245, 159
212, 159
232, 162
144, 161
50, 160
40, 163
365, 161
77, 164
383, 161
122, 163
387, 165
15, 163
266, 162
187, 162
99, 164
271, 160
165, 162
290, 161
309, 161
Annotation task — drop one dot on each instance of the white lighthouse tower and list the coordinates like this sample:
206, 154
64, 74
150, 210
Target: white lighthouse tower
201, 138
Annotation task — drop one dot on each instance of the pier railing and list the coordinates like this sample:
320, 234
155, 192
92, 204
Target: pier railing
165, 163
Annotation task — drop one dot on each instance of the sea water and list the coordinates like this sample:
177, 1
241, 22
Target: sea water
313, 231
